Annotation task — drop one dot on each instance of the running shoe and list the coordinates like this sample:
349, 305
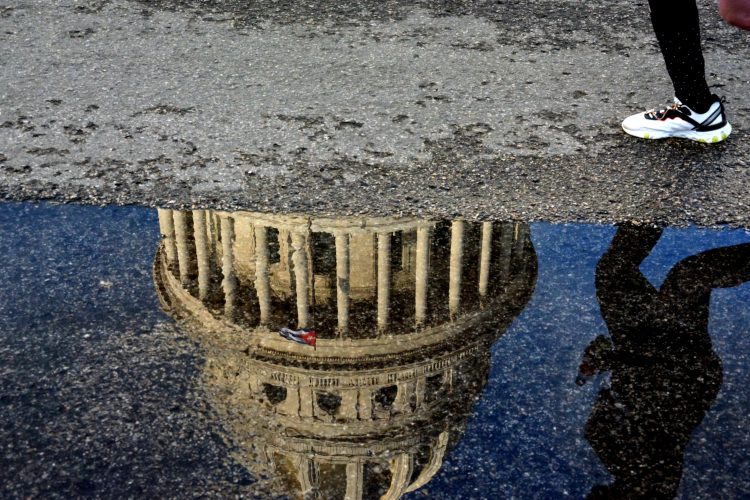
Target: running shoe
678, 120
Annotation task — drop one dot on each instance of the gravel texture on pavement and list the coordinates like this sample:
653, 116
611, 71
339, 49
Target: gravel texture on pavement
501, 110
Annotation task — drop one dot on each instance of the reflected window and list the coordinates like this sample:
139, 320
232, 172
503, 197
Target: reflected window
422, 458
385, 396
376, 480
331, 481
274, 393
328, 402
433, 387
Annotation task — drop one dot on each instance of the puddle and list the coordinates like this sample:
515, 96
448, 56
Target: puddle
141, 356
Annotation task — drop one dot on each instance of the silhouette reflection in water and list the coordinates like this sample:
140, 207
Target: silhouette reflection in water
405, 311
664, 372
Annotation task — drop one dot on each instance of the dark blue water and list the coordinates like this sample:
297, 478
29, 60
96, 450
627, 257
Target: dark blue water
94, 400
69, 271
526, 438
74, 267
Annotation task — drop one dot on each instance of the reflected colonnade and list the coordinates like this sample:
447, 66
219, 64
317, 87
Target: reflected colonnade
385, 275
405, 312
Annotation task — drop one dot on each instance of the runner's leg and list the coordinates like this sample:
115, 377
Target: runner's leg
677, 28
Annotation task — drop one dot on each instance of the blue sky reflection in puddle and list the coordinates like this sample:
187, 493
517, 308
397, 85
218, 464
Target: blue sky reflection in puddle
73, 271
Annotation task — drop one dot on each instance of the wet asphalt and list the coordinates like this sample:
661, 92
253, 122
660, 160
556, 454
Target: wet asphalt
99, 393
504, 110
104, 395
480, 110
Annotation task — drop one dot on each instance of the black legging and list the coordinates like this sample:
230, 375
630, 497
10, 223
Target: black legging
677, 29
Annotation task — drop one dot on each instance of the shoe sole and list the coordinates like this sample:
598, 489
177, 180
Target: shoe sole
710, 137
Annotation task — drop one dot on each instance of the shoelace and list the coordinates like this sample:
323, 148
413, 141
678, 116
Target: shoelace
659, 113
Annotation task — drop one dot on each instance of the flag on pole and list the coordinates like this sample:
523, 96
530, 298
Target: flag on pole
303, 336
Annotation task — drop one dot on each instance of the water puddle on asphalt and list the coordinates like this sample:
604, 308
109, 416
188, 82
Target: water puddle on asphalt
210, 353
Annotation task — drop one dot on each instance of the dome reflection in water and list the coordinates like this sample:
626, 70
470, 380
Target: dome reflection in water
405, 312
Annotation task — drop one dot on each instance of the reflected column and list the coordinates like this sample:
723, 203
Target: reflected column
262, 282
342, 281
421, 274
433, 466
229, 283
183, 251
384, 279
484, 259
401, 469
201, 252
456, 262
354, 479
299, 259
166, 227
308, 476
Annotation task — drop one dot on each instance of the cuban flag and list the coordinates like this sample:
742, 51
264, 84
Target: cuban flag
303, 336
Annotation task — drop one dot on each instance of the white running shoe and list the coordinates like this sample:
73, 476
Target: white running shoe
678, 120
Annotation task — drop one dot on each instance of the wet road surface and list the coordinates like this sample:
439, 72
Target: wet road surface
506, 111
452, 359
374, 250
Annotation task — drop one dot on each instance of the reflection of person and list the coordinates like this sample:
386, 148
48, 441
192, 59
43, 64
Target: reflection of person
664, 373
696, 113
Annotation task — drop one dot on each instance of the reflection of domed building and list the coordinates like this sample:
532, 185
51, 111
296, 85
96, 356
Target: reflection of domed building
405, 311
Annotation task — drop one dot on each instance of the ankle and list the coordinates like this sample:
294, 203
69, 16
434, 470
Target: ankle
700, 106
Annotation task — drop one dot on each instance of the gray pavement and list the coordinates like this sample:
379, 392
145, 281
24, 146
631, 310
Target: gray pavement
502, 110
